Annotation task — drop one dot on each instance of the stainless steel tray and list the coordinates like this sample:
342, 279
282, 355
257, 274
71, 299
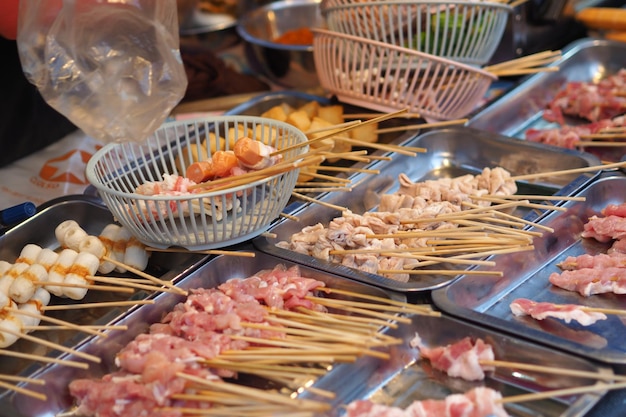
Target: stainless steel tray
451, 153
208, 275
407, 378
486, 300
92, 215
400, 379
522, 107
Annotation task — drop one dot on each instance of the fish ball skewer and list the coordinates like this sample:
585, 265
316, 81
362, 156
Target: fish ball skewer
62, 228
119, 247
59, 270
85, 264
27, 257
73, 238
40, 298
135, 254
107, 237
11, 323
23, 287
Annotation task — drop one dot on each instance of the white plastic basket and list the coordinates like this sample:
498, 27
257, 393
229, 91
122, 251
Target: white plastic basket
467, 31
387, 78
201, 220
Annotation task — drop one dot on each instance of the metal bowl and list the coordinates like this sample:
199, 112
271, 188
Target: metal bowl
289, 66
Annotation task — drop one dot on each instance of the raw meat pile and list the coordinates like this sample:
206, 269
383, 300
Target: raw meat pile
602, 273
199, 328
601, 104
412, 202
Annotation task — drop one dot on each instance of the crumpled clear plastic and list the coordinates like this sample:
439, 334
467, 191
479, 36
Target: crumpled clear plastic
112, 67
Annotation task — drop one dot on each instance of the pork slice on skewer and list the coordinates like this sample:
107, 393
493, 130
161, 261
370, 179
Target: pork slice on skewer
565, 312
591, 281
460, 359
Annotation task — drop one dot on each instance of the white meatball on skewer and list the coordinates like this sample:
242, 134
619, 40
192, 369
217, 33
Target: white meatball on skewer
10, 326
27, 257
59, 270
25, 284
40, 298
86, 264
107, 237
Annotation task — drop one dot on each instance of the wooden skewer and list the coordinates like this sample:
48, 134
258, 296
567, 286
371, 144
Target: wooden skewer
583, 143
321, 189
87, 286
205, 252
569, 171
16, 378
553, 370
356, 323
95, 305
524, 62
423, 126
604, 135
374, 115
562, 392
349, 319
408, 151
262, 174
313, 200
438, 272
51, 345
147, 276
264, 395
347, 169
27, 392
290, 217
334, 127
269, 235
129, 284
530, 197
59, 322
327, 177
342, 130
45, 359
92, 327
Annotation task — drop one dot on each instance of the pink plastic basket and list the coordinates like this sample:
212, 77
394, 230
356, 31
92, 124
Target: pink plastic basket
387, 78
467, 31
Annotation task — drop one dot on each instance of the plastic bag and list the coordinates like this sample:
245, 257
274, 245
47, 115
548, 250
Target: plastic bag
112, 67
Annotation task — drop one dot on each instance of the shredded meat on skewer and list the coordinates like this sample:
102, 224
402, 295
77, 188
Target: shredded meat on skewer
565, 312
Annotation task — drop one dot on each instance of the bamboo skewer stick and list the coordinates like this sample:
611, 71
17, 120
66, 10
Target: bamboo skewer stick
290, 217
264, 395
423, 126
321, 189
24, 391
528, 197
352, 319
347, 169
51, 345
16, 378
334, 127
90, 287
313, 200
328, 319
123, 283
583, 143
408, 151
553, 370
83, 326
569, 171
53, 320
96, 305
438, 272
147, 276
374, 115
205, 252
342, 130
44, 359
562, 392
262, 174
416, 307
327, 177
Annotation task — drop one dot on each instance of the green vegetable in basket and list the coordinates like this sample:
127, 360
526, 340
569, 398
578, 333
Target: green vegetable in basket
446, 33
